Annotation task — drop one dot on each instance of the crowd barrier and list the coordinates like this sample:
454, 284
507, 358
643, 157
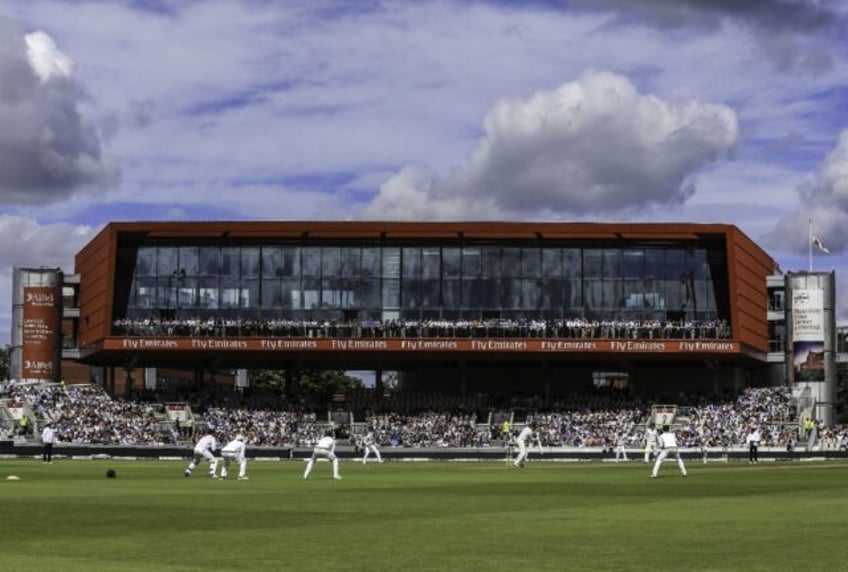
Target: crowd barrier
692, 455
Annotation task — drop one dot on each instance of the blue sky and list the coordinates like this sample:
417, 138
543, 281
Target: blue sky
611, 110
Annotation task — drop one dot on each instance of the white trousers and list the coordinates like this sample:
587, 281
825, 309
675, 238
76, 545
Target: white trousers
371, 449
201, 455
319, 453
522, 453
661, 457
229, 458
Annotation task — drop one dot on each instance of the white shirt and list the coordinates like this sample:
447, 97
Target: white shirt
234, 447
206, 443
525, 435
668, 440
48, 435
753, 437
650, 437
369, 439
326, 443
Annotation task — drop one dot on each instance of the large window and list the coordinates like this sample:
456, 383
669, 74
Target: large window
469, 280
371, 261
145, 262
351, 261
209, 261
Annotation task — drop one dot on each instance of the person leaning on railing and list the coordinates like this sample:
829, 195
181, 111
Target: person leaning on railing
577, 328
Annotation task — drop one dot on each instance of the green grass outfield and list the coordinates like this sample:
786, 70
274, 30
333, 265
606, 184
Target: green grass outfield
424, 516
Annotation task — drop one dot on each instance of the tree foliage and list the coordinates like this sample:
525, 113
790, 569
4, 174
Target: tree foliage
5, 355
841, 393
314, 382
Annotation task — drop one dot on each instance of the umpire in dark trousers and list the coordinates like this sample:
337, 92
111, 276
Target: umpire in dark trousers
48, 437
753, 440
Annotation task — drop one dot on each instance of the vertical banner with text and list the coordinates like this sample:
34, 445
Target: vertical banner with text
39, 331
808, 335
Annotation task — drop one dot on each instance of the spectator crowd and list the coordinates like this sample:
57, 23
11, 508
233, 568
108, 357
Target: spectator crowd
86, 414
570, 328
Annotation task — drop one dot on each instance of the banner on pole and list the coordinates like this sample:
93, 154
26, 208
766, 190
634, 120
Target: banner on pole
808, 335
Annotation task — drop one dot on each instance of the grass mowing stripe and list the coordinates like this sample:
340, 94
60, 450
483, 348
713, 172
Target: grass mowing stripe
423, 516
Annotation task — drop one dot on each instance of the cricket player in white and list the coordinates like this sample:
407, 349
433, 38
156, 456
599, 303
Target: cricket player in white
702, 443
234, 451
650, 441
525, 437
205, 449
620, 443
369, 443
325, 449
668, 446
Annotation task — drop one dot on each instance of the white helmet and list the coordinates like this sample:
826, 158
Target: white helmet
240, 438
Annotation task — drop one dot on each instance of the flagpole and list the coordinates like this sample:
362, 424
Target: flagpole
810, 243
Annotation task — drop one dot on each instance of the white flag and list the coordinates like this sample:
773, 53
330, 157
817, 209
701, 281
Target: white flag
819, 244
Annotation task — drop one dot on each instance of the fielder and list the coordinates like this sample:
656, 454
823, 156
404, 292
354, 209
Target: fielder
527, 436
234, 451
620, 441
650, 441
325, 449
668, 446
703, 444
205, 449
369, 443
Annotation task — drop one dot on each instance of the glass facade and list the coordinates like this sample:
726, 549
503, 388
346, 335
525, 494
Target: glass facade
419, 281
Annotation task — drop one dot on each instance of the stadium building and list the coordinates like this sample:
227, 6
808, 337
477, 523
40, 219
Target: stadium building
541, 309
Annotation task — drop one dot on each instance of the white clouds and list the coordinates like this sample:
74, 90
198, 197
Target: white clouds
24, 242
833, 176
415, 194
767, 15
27, 244
46, 59
824, 198
591, 146
280, 110
213, 94
48, 149
789, 31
